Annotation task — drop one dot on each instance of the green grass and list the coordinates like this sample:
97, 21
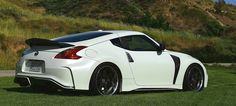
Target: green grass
221, 91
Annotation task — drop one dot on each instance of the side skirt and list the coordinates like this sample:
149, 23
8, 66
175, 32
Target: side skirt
154, 89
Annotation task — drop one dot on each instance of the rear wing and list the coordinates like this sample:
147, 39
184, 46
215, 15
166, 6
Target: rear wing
45, 42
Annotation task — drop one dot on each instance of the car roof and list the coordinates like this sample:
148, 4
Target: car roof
123, 32
108, 34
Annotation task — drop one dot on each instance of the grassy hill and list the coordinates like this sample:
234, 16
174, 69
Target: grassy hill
23, 19
197, 16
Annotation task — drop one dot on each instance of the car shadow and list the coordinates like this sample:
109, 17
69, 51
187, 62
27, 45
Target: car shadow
59, 92
62, 92
148, 92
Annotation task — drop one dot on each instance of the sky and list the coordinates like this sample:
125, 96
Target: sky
231, 1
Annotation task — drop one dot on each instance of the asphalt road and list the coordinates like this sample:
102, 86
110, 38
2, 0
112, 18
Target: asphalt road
7, 73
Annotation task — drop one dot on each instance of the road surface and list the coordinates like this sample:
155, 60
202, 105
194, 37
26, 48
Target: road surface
7, 73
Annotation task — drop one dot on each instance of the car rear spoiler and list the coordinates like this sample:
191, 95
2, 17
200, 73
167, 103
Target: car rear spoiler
45, 42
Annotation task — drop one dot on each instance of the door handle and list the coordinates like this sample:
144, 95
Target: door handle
130, 59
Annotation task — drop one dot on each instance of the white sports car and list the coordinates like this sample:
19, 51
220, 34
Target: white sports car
107, 62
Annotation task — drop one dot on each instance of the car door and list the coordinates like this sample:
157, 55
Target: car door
149, 66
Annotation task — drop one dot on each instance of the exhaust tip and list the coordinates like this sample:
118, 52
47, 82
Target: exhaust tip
22, 81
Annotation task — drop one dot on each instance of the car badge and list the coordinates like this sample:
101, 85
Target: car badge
36, 53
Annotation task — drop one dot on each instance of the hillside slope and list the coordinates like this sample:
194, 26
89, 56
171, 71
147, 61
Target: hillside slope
197, 16
23, 19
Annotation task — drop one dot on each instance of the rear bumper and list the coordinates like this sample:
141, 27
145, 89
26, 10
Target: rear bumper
37, 81
59, 76
68, 74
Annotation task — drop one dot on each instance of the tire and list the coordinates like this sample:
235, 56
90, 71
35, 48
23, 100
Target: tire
194, 78
105, 80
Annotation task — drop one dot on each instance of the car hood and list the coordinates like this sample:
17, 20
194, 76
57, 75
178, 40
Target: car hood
178, 54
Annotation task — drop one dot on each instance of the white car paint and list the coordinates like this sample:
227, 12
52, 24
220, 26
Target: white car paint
150, 69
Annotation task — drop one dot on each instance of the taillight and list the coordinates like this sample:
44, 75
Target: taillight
70, 53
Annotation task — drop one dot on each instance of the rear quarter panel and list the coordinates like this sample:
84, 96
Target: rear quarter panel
107, 52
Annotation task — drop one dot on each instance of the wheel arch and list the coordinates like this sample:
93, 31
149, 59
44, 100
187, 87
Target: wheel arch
113, 65
197, 64
204, 72
187, 70
185, 63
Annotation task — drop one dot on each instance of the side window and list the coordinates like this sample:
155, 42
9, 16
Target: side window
116, 42
138, 43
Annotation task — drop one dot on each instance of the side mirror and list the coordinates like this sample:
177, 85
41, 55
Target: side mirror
161, 47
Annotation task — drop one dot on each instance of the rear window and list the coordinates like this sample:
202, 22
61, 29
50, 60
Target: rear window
81, 36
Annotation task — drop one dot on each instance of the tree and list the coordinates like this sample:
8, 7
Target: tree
219, 5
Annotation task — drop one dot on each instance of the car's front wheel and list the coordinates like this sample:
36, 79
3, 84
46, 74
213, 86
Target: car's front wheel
194, 78
105, 80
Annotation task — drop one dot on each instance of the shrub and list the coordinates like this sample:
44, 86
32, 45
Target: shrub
2, 44
219, 5
149, 21
218, 52
8, 11
213, 28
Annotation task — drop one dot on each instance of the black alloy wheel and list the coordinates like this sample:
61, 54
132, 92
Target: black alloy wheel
194, 78
105, 80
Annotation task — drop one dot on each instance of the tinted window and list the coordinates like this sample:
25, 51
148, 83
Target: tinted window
138, 43
116, 42
81, 36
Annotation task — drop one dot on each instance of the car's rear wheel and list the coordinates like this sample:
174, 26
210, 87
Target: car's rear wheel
105, 80
194, 78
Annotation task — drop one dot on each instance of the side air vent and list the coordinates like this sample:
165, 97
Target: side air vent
130, 59
177, 66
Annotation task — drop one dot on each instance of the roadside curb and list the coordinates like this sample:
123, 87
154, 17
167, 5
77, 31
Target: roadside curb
220, 64
7, 73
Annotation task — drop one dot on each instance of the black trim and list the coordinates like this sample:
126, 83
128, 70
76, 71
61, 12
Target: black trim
32, 80
22, 81
116, 42
130, 59
177, 66
72, 77
154, 89
45, 42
